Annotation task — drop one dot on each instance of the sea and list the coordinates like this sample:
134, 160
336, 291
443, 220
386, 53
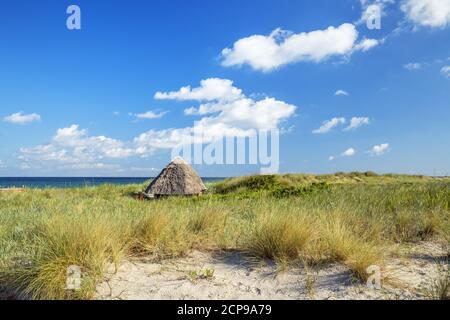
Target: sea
73, 182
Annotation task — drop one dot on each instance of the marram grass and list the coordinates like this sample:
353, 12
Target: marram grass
352, 219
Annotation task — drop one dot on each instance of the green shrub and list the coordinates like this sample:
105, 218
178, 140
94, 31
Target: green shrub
293, 191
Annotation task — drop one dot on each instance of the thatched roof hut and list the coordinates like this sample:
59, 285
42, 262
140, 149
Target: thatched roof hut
178, 178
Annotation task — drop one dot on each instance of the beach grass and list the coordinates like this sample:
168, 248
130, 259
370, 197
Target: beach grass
350, 218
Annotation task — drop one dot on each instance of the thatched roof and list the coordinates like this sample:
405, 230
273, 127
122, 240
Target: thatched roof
178, 178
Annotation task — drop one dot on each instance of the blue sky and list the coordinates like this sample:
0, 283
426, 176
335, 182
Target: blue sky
85, 103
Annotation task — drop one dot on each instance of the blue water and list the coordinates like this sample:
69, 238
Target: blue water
71, 182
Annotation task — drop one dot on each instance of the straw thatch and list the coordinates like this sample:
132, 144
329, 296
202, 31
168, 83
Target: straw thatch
178, 178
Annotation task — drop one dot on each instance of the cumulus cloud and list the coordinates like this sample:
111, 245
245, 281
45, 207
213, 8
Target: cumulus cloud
341, 93
149, 115
357, 122
209, 90
348, 153
269, 52
446, 71
227, 112
328, 125
379, 150
231, 107
331, 158
367, 44
73, 146
427, 13
21, 118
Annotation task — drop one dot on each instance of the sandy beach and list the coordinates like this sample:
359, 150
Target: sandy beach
237, 277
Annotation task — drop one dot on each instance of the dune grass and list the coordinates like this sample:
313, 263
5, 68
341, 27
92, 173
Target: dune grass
349, 218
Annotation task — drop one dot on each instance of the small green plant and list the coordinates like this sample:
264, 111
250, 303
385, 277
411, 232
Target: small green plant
193, 275
294, 191
310, 282
206, 274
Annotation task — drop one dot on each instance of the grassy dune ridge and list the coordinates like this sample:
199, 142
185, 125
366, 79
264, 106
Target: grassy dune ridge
354, 218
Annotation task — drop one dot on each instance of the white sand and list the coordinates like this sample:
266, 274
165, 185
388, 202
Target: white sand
235, 277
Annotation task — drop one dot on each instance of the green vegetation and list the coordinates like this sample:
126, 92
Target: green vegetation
350, 218
206, 274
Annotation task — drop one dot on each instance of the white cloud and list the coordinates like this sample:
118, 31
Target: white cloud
238, 118
161, 139
21, 118
357, 122
74, 146
209, 90
428, 13
331, 158
367, 44
328, 125
341, 93
413, 66
446, 71
224, 115
267, 53
380, 149
354, 124
191, 111
149, 115
349, 152
227, 111
97, 166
